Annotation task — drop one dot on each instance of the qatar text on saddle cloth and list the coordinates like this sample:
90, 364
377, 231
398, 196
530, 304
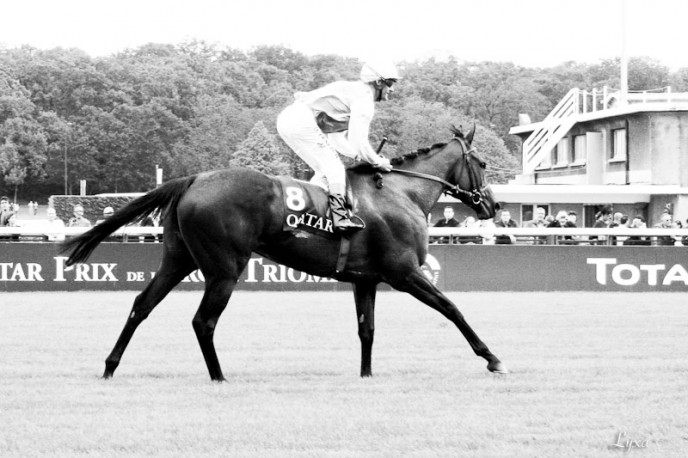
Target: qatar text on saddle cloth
305, 207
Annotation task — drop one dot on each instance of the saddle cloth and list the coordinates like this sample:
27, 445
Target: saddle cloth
306, 208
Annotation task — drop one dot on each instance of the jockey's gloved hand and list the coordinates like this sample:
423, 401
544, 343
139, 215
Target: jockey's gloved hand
383, 164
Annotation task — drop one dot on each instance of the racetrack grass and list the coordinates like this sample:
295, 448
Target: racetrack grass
584, 367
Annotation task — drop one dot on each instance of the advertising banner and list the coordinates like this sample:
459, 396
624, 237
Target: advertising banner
564, 268
130, 266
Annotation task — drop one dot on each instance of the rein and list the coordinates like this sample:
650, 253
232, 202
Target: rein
455, 190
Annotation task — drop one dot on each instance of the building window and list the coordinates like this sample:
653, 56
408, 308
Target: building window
560, 153
580, 153
618, 150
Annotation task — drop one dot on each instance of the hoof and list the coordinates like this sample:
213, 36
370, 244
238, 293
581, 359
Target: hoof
496, 367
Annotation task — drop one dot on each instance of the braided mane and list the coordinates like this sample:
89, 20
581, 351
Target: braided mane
410, 156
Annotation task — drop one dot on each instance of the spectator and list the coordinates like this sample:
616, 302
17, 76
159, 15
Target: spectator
11, 222
5, 211
79, 220
665, 222
470, 222
562, 220
638, 223
602, 220
107, 212
679, 241
488, 236
620, 221
616, 220
538, 221
572, 218
54, 224
505, 221
447, 221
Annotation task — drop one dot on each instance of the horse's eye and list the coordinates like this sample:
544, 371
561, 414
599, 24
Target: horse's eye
483, 165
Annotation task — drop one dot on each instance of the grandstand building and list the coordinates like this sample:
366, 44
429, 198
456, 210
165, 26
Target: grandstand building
598, 147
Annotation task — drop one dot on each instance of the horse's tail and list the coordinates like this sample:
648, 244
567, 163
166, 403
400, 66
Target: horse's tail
165, 198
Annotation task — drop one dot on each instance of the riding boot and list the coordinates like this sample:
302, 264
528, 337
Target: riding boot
340, 216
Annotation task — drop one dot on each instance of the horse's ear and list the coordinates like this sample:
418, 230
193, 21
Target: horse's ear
469, 136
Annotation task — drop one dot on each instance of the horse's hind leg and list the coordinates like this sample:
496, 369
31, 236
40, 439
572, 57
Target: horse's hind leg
220, 281
364, 294
422, 289
172, 270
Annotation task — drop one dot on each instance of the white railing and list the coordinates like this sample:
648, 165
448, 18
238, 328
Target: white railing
38, 233
662, 95
554, 236
551, 130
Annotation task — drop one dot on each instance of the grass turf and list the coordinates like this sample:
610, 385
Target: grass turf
584, 368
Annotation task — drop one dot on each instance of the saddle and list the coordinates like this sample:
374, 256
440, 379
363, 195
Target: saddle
307, 209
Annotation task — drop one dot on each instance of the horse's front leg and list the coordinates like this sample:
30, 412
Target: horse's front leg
364, 294
418, 285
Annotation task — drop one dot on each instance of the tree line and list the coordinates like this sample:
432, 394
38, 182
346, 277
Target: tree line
195, 107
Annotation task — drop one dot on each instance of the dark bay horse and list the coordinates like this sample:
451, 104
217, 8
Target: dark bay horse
214, 221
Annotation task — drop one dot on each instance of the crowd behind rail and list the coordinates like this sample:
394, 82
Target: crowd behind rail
610, 228
27, 225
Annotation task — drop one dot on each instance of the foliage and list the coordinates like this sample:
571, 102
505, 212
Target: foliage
192, 107
260, 152
23, 142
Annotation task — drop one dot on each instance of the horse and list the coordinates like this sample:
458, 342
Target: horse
214, 221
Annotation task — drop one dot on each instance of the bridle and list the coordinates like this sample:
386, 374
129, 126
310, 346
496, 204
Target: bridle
475, 195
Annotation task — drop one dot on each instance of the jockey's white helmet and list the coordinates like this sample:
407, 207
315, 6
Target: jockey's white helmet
379, 70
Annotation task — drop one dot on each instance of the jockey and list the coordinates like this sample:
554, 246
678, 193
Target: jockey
336, 119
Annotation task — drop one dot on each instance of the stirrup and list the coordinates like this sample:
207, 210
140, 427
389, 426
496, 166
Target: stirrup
359, 223
348, 224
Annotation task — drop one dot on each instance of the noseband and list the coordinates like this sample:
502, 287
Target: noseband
475, 195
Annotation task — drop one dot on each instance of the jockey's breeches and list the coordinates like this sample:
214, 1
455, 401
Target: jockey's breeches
296, 125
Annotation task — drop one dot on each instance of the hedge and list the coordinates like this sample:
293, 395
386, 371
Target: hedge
93, 205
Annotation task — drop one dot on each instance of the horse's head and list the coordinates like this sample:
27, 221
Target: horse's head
468, 175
